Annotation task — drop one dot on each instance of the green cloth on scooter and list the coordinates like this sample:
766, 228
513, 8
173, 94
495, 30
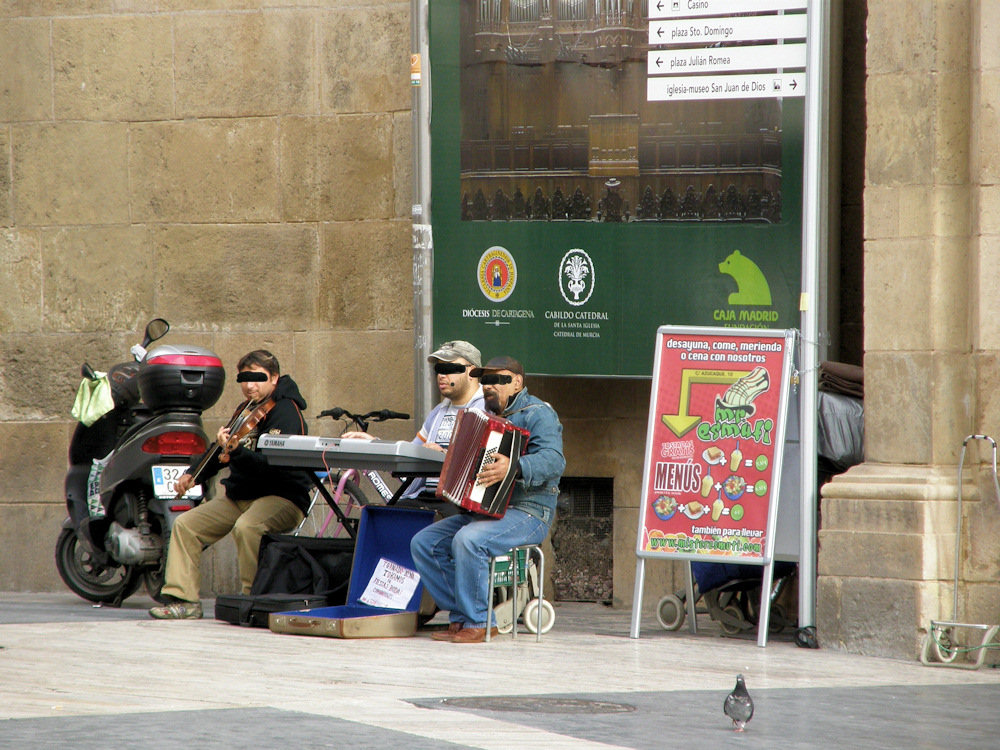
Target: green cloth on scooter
93, 400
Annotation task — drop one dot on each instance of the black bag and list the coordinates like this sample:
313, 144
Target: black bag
289, 564
293, 573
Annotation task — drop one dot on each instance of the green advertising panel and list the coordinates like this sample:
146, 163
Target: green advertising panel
598, 172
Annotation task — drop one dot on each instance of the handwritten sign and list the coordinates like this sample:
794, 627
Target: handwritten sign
391, 586
714, 443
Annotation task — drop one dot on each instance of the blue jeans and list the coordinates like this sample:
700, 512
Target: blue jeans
453, 558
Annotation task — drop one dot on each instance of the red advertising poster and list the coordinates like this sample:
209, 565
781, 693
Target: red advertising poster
714, 443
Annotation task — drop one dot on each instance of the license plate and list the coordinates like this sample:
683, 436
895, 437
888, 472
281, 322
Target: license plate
165, 476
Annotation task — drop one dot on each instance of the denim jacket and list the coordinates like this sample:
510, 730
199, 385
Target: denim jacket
537, 488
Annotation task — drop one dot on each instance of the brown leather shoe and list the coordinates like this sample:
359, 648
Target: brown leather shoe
447, 635
473, 635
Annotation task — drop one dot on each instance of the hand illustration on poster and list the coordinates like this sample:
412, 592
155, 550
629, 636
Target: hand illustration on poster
713, 447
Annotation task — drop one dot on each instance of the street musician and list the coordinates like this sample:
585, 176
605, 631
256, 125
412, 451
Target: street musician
453, 554
258, 499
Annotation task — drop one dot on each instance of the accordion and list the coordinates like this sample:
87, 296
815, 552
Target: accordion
477, 437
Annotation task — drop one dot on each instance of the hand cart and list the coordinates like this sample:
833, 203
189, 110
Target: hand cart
941, 645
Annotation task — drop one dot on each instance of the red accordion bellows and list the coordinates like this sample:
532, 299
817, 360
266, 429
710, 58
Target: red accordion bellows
475, 440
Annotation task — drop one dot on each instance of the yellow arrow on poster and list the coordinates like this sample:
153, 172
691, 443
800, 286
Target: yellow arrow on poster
681, 423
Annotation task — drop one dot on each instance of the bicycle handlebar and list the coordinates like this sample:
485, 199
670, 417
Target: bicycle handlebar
362, 420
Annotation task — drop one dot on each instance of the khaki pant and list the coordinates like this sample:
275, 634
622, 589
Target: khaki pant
207, 523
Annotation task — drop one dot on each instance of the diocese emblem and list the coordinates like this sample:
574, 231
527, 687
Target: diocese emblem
497, 274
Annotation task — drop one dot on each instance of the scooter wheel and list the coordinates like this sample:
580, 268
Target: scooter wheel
103, 584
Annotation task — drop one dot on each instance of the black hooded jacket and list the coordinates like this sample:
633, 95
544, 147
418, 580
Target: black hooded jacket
250, 475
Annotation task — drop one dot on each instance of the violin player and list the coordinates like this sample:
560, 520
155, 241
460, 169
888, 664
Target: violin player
258, 498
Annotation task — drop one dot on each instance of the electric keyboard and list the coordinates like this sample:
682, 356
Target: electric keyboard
313, 452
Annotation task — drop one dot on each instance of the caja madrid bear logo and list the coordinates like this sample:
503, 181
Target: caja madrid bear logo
497, 273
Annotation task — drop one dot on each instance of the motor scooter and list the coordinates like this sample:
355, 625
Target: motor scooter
119, 488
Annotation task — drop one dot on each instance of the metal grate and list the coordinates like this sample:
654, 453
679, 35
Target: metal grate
582, 540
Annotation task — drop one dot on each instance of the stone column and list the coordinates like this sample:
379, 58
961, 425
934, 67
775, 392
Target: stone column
887, 539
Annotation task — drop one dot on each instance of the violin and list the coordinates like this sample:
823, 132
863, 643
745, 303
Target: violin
244, 420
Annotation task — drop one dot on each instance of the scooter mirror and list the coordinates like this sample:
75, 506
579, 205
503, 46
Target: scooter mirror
156, 329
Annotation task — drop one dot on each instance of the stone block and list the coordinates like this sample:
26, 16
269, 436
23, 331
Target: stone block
6, 208
980, 535
402, 163
43, 8
113, 67
951, 382
41, 445
952, 41
870, 617
205, 170
366, 274
897, 287
359, 370
873, 515
987, 384
233, 277
986, 287
25, 76
365, 54
871, 555
40, 372
894, 47
21, 281
952, 127
98, 274
70, 173
987, 210
239, 64
986, 156
943, 210
891, 146
986, 55
881, 212
887, 419
337, 168
981, 604
27, 530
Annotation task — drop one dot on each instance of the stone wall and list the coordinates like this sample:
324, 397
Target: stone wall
886, 563
240, 168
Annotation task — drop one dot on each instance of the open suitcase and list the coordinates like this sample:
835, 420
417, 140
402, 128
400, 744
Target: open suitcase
383, 571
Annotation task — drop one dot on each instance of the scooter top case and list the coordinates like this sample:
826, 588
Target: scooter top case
184, 378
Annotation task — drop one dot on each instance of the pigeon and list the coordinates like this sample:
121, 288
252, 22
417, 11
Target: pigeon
739, 705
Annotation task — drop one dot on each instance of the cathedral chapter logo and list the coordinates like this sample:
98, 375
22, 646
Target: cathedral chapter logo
497, 274
576, 277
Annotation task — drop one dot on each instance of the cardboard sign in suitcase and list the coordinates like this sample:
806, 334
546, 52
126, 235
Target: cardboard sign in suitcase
382, 574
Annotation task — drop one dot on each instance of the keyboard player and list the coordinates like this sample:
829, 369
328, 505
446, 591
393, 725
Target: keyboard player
451, 364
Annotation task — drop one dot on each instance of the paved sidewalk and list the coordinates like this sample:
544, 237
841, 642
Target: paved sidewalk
75, 675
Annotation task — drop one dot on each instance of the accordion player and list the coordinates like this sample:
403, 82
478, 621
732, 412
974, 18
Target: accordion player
478, 436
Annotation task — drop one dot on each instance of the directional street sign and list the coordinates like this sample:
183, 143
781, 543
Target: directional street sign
689, 8
732, 29
752, 86
727, 59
